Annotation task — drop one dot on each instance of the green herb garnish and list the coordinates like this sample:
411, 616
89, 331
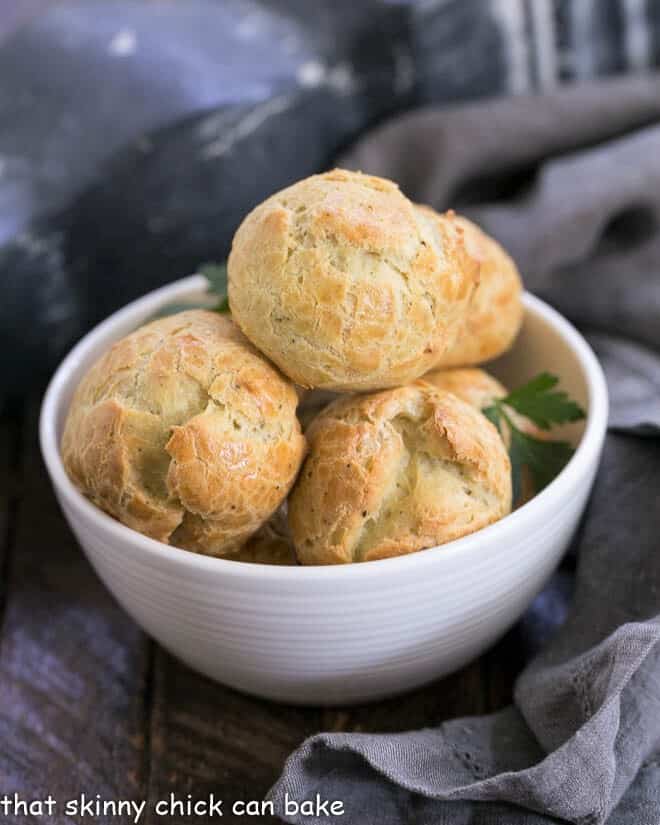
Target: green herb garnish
216, 275
545, 406
541, 404
175, 308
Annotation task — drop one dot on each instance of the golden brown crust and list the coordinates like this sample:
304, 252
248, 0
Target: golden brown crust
479, 389
346, 285
396, 472
495, 314
473, 385
184, 432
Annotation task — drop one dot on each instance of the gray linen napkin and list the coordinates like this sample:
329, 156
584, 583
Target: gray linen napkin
570, 183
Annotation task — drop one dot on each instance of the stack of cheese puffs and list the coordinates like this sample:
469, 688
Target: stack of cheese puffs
334, 417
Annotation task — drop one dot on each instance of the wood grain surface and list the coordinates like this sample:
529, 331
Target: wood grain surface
88, 704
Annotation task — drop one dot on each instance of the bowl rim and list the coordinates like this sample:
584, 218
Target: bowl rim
529, 516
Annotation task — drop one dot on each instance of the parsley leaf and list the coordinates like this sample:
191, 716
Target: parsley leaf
545, 459
222, 306
492, 413
542, 406
216, 275
536, 400
173, 309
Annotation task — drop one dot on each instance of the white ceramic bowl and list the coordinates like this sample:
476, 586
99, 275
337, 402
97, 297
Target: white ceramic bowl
330, 635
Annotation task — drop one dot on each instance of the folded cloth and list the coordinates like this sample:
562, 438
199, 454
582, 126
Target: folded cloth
570, 183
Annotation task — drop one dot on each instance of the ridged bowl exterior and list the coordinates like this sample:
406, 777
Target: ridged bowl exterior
334, 635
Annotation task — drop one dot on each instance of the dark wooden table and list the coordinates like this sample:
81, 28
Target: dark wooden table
89, 704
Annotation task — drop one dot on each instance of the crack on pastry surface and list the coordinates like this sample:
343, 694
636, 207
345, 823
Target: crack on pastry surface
184, 432
479, 389
396, 472
358, 290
